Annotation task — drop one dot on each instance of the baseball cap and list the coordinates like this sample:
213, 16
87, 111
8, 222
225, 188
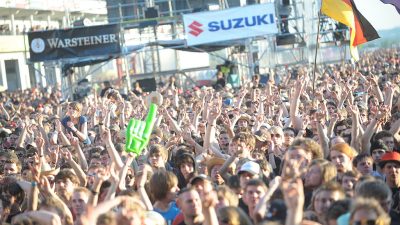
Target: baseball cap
250, 167
389, 157
262, 135
202, 177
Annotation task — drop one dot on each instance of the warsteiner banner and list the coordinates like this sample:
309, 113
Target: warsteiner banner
74, 42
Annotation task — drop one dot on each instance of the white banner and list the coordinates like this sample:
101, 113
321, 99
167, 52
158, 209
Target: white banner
230, 24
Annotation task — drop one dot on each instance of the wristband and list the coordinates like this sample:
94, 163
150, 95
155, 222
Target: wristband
94, 192
33, 183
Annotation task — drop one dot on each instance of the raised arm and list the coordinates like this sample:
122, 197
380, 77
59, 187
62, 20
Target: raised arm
376, 89
323, 138
22, 137
371, 129
395, 130
112, 152
211, 123
261, 207
82, 133
141, 189
47, 191
4, 112
355, 140
81, 156
223, 171
75, 166
294, 104
389, 92
241, 96
61, 135
209, 199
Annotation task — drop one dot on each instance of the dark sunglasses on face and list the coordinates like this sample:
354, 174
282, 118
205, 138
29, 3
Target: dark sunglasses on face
276, 135
365, 222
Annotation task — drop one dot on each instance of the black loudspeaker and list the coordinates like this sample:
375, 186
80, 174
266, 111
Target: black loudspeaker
286, 2
286, 39
151, 12
148, 85
252, 2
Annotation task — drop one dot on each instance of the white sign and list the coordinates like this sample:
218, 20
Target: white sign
230, 24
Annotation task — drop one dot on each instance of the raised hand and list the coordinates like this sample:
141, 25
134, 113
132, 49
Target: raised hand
71, 125
215, 112
138, 132
35, 169
226, 121
106, 134
382, 114
39, 143
58, 125
208, 196
45, 187
293, 193
351, 109
67, 155
40, 120
74, 141
293, 168
54, 155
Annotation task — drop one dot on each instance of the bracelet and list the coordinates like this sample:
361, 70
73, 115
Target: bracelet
33, 183
101, 124
94, 192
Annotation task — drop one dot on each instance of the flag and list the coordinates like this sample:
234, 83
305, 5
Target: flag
395, 3
346, 12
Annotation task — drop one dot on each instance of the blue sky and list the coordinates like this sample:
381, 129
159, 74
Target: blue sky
381, 16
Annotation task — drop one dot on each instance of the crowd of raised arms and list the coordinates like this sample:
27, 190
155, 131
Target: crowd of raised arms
297, 151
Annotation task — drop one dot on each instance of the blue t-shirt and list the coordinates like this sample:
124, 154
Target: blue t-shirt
170, 214
82, 120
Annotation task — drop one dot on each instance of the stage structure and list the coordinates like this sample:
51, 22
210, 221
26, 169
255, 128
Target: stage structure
155, 44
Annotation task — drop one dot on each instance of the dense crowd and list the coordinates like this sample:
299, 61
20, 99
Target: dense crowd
299, 151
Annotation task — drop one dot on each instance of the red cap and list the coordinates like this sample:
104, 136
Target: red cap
389, 157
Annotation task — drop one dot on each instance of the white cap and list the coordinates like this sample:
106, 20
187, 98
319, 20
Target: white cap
250, 167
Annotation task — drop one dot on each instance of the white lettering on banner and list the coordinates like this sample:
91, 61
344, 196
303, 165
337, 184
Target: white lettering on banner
232, 24
82, 41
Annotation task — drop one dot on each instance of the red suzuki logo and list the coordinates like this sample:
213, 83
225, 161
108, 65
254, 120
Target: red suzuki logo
195, 29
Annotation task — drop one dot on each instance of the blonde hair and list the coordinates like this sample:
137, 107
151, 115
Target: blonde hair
370, 204
233, 216
76, 106
308, 145
226, 193
247, 138
328, 169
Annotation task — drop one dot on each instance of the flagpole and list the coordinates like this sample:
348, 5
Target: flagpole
316, 52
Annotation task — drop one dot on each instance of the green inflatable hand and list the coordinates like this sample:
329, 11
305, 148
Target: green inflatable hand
138, 132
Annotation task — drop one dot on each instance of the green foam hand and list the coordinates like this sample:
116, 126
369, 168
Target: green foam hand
138, 132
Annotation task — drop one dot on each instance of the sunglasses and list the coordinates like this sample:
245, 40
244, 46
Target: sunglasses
276, 135
365, 222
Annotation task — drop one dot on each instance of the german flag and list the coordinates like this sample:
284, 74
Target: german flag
395, 3
346, 12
